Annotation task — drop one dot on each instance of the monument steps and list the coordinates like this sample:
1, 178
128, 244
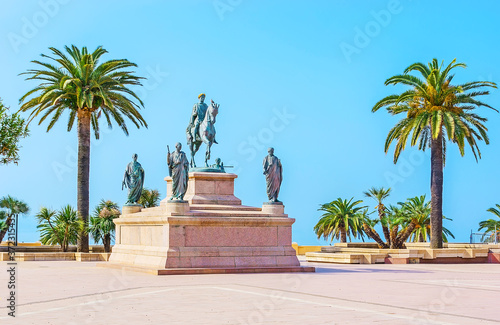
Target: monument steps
199, 207
228, 213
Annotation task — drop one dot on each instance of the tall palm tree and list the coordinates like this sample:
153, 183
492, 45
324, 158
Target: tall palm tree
340, 218
434, 111
88, 90
491, 225
149, 198
102, 227
379, 195
12, 208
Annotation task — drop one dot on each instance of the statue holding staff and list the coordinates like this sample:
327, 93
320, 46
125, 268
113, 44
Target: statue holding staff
133, 179
274, 175
178, 169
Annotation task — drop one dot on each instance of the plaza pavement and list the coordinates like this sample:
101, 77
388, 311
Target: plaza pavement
80, 293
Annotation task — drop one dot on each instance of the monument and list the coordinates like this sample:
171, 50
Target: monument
201, 226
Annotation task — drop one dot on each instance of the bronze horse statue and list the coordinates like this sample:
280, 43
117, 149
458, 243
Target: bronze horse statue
206, 133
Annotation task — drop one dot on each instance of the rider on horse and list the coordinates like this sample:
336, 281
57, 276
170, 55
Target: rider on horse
198, 115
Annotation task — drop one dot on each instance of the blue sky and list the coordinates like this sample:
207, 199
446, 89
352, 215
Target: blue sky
300, 76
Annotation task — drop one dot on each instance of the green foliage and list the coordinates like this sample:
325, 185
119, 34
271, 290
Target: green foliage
79, 84
149, 198
13, 206
9, 209
434, 106
435, 110
3, 224
491, 226
341, 218
12, 129
418, 210
101, 223
59, 227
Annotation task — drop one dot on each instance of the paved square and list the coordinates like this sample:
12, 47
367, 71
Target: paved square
79, 293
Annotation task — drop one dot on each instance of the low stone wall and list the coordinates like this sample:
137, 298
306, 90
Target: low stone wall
60, 256
302, 250
455, 253
33, 248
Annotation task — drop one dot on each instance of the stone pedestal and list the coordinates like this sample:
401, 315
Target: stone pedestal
273, 207
129, 209
210, 233
175, 207
208, 188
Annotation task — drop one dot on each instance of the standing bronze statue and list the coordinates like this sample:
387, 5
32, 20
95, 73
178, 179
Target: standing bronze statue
274, 175
178, 169
201, 128
133, 180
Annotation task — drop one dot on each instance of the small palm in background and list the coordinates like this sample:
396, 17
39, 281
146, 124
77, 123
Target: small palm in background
60, 227
149, 198
492, 226
11, 208
102, 227
341, 219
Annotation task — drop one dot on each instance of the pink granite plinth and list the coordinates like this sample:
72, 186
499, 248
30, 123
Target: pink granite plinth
209, 233
208, 188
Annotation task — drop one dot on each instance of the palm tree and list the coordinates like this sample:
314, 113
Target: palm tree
419, 210
369, 229
49, 235
149, 198
340, 218
63, 230
436, 110
380, 194
102, 227
491, 225
12, 209
88, 90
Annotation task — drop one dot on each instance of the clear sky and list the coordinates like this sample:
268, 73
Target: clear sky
301, 76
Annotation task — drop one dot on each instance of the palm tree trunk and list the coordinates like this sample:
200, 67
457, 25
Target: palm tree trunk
394, 235
420, 238
374, 235
8, 222
343, 235
385, 230
403, 236
437, 192
107, 243
83, 176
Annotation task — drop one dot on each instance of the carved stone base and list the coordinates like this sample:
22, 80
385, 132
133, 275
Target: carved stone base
211, 233
208, 188
273, 207
132, 208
